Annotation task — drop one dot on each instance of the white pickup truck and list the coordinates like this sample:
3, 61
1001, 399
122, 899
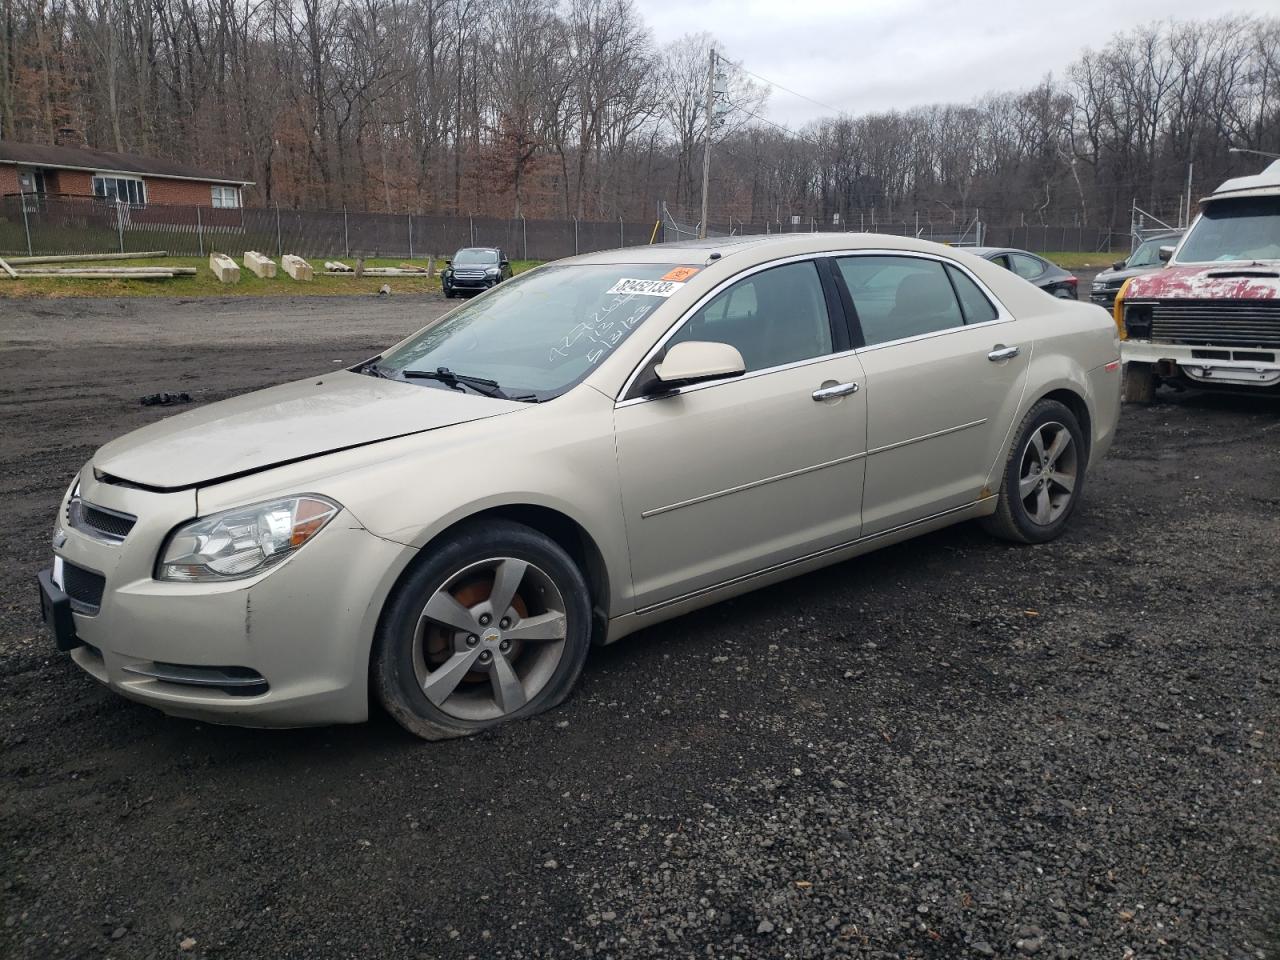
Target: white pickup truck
1211, 317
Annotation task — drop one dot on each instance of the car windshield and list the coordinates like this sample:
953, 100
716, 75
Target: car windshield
1148, 252
540, 333
1236, 228
475, 258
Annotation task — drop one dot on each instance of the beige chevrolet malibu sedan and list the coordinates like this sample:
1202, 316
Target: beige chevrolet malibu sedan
597, 446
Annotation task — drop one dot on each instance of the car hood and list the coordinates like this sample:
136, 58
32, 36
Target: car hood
1251, 280
1119, 276
285, 424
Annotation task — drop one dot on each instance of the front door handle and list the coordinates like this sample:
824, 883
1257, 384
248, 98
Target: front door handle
1001, 352
834, 391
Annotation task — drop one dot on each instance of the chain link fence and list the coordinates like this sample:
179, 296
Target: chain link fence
35, 225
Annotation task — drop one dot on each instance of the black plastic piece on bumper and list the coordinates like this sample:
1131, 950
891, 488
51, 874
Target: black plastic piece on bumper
236, 681
55, 609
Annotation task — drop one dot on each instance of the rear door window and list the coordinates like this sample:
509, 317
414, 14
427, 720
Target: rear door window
977, 308
899, 297
1025, 266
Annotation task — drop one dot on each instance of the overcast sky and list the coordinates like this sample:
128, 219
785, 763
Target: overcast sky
866, 55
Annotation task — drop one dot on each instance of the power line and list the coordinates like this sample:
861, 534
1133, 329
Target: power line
794, 93
773, 123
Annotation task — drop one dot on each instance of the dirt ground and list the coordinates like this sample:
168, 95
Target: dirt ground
950, 748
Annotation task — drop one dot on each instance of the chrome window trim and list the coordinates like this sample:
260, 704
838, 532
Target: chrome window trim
698, 305
1002, 316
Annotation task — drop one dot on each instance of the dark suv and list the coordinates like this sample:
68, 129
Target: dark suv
474, 269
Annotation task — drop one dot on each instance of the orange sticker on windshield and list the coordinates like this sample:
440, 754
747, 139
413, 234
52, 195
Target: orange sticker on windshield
680, 274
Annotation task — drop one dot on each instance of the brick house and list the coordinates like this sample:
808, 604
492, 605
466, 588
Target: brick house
66, 170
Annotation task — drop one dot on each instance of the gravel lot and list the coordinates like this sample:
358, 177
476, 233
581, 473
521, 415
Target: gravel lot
951, 748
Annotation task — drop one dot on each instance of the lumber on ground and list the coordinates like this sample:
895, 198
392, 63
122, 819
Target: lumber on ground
158, 273
105, 271
89, 257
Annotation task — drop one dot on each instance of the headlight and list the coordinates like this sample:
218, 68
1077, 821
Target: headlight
1099, 285
493, 271
245, 541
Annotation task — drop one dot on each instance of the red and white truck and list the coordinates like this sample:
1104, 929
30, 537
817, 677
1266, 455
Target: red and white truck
1211, 317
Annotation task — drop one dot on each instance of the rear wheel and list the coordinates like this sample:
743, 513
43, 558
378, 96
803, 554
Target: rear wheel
1140, 383
493, 627
1043, 478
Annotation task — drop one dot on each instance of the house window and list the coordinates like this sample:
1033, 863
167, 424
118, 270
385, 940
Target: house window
124, 189
226, 196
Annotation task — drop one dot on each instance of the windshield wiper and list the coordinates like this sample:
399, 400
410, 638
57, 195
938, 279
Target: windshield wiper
481, 385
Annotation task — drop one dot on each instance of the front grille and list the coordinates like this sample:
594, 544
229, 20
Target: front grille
84, 587
107, 524
1229, 323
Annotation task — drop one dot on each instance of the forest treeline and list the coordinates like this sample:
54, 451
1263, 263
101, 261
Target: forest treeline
569, 108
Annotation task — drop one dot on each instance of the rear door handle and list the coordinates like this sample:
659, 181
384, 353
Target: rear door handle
1001, 352
837, 390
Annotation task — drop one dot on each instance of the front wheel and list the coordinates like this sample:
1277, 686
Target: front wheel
492, 626
1043, 477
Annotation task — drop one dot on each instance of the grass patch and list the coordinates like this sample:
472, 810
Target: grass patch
1073, 260
205, 284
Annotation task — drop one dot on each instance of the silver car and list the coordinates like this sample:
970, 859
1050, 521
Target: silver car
597, 446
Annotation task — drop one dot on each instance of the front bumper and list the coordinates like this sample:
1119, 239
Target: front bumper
304, 628
1208, 364
468, 283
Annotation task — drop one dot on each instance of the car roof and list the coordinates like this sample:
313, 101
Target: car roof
762, 248
1266, 183
479, 249
989, 251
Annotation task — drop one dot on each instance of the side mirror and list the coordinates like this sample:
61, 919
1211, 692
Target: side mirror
1166, 254
504, 263
1118, 265
694, 361
448, 263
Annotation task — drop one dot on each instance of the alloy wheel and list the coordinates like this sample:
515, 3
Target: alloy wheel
1047, 473
489, 639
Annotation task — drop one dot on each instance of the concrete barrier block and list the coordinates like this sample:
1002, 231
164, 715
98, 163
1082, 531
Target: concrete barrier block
297, 268
259, 265
224, 268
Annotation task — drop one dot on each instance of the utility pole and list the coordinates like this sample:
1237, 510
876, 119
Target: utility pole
1190, 170
706, 152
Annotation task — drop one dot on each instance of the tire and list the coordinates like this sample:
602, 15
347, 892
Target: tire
1062, 293
1140, 383
444, 658
1050, 495
448, 293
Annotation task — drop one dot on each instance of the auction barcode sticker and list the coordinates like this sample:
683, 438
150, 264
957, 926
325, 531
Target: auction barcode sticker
646, 288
